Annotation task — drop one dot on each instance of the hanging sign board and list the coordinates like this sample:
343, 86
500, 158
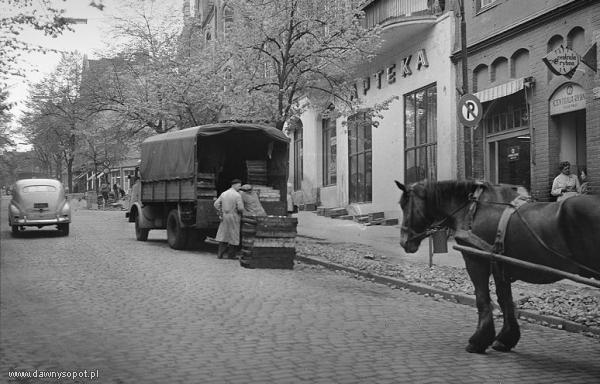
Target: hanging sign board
568, 98
470, 110
562, 61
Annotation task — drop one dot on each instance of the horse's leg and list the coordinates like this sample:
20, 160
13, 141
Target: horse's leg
510, 333
479, 272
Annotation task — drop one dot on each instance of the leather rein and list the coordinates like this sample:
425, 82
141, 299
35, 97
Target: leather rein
476, 241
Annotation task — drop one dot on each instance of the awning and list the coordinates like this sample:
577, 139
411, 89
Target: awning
501, 90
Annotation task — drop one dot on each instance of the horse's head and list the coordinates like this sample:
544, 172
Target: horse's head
415, 220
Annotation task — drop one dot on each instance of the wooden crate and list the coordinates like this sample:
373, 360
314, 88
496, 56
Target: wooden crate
268, 241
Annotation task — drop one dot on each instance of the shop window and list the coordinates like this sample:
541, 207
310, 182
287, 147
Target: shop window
298, 158
360, 162
507, 114
481, 79
576, 40
329, 152
520, 64
499, 72
420, 135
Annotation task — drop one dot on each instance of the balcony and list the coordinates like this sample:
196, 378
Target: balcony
402, 19
389, 12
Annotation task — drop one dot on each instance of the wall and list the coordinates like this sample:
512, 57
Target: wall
546, 139
388, 137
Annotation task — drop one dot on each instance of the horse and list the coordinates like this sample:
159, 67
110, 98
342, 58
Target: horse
563, 235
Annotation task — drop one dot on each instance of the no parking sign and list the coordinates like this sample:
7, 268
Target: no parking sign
469, 110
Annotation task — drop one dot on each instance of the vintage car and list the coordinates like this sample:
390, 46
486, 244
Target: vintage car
39, 203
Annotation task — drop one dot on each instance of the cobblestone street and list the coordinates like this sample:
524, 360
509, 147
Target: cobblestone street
144, 313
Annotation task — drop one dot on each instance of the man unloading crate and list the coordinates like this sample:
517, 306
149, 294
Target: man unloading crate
230, 207
252, 205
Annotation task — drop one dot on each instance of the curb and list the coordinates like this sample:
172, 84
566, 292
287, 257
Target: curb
525, 315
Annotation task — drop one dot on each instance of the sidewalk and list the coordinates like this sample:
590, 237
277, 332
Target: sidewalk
385, 239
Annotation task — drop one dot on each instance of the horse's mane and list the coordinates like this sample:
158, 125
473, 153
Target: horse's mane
440, 191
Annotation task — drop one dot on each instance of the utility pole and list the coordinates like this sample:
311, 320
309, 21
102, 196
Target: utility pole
467, 131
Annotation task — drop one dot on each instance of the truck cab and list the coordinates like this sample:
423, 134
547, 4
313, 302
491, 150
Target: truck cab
183, 172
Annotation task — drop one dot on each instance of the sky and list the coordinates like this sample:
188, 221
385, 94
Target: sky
85, 38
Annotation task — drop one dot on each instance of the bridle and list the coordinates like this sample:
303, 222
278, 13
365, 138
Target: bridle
413, 235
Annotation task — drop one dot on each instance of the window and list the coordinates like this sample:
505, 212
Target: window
329, 152
39, 188
481, 4
508, 113
360, 158
499, 71
481, 78
298, 166
420, 135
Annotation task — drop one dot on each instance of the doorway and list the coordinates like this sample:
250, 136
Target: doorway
572, 139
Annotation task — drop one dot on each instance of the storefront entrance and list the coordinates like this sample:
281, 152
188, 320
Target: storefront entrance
567, 110
572, 138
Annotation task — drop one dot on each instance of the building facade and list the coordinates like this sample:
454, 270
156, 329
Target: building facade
533, 66
351, 162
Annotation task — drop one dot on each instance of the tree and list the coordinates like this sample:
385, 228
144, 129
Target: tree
150, 79
45, 16
55, 112
282, 50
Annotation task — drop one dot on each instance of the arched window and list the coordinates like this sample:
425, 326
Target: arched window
481, 78
554, 42
499, 72
520, 64
576, 40
227, 19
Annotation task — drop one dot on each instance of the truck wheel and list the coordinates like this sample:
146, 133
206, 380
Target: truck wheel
177, 237
141, 234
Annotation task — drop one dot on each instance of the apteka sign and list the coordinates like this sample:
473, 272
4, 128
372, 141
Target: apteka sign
562, 61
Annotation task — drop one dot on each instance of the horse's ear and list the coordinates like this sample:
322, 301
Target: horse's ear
400, 185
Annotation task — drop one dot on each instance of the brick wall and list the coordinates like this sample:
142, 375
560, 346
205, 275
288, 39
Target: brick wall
545, 138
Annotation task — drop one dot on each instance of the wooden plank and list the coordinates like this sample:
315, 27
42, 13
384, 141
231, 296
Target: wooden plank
528, 265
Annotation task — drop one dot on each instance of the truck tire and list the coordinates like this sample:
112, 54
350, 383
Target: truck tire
177, 237
141, 234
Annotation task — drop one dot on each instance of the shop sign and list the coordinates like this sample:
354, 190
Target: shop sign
403, 68
568, 98
562, 61
513, 153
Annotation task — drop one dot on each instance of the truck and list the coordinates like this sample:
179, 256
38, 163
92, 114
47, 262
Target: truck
182, 173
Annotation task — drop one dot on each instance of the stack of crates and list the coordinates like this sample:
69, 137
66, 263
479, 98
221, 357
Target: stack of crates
268, 242
205, 186
256, 172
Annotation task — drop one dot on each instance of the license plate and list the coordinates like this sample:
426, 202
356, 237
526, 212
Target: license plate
40, 205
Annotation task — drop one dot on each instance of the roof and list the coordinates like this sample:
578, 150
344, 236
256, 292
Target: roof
171, 155
217, 129
38, 182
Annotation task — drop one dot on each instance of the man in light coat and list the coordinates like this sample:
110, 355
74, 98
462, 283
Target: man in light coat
230, 207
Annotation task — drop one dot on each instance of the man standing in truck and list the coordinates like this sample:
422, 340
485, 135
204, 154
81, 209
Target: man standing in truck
230, 207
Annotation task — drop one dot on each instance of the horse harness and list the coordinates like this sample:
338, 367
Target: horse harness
468, 236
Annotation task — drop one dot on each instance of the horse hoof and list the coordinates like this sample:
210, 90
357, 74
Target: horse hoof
500, 346
472, 348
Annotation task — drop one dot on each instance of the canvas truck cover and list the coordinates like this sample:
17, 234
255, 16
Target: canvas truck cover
170, 156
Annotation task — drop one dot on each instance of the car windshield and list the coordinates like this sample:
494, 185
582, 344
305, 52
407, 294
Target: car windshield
39, 188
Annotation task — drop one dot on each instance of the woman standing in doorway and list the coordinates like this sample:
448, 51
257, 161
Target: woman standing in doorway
565, 184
